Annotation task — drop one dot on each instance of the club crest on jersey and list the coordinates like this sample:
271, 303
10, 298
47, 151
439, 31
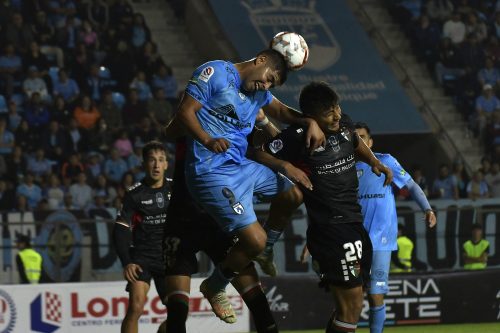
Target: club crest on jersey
206, 74
345, 134
355, 269
275, 146
359, 173
159, 200
334, 143
242, 95
238, 208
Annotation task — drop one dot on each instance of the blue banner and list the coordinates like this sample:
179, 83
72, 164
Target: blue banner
341, 54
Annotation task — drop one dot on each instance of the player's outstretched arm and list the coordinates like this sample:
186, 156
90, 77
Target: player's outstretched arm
281, 112
364, 154
187, 117
419, 196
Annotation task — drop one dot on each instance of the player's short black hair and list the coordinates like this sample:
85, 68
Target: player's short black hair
401, 227
152, 146
477, 226
316, 97
364, 126
276, 62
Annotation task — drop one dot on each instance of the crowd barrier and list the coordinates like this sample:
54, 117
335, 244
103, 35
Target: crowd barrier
76, 245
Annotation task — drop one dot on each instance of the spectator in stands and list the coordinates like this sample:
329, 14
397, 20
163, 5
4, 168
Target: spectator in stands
60, 111
427, 35
486, 104
60, 11
464, 8
111, 114
121, 64
21, 205
97, 12
165, 79
477, 27
123, 144
121, 13
94, 84
18, 34
444, 186
454, 29
81, 192
35, 59
10, 69
477, 187
115, 167
66, 87
7, 139
160, 110
68, 202
448, 62
148, 60
54, 192
33, 83
39, 166
13, 118
25, 137
145, 132
6, 11
101, 137
45, 35
86, 114
3, 167
143, 90
439, 10
134, 109
56, 142
493, 180
472, 54
30, 190
83, 59
72, 168
492, 50
485, 165
134, 163
37, 115
16, 165
489, 75
88, 36
476, 249
93, 167
7, 196
68, 37
460, 178
103, 189
139, 33
127, 180
496, 25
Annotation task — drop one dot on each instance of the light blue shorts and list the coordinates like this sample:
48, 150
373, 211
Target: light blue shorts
379, 276
228, 192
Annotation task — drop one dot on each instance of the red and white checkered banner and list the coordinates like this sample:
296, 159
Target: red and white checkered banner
100, 307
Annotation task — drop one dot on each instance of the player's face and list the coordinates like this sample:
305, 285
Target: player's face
262, 78
329, 120
363, 134
155, 165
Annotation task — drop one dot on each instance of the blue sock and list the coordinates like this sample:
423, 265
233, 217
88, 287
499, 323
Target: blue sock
377, 319
272, 238
218, 280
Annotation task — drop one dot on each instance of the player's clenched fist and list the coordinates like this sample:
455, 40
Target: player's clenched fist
297, 176
131, 272
217, 145
380, 168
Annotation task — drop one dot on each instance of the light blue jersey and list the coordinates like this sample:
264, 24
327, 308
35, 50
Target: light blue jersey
227, 112
377, 202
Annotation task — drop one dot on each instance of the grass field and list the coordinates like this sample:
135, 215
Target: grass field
459, 328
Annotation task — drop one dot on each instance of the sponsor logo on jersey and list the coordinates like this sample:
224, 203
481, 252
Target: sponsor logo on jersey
402, 172
147, 202
275, 146
372, 196
227, 114
334, 143
206, 73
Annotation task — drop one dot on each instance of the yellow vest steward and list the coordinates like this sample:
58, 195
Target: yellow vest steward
32, 262
405, 247
474, 251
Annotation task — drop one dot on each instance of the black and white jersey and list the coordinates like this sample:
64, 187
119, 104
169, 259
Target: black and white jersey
144, 210
331, 169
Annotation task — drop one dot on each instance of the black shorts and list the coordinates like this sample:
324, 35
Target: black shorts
341, 253
151, 269
183, 239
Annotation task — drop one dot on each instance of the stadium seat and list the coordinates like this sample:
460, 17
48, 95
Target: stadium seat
54, 74
118, 99
3, 104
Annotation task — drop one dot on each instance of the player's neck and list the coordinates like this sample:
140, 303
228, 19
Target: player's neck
154, 183
244, 68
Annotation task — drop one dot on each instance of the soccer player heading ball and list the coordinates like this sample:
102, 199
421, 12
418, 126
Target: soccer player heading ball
292, 47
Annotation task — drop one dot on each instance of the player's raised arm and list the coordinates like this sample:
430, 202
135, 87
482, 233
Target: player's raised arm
187, 116
364, 154
314, 135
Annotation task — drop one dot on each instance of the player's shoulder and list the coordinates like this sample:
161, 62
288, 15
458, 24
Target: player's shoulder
212, 69
385, 158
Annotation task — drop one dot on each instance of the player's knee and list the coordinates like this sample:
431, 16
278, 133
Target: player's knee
294, 197
136, 306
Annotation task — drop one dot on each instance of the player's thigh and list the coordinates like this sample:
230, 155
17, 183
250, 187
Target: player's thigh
179, 250
341, 253
379, 276
177, 284
226, 196
267, 183
348, 300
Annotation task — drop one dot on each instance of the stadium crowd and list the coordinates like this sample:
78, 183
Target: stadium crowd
82, 89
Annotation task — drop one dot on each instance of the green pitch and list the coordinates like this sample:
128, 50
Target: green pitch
458, 328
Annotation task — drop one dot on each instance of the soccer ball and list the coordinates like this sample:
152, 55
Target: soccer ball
293, 47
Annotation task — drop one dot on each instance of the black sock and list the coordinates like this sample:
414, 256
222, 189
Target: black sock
178, 308
258, 305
